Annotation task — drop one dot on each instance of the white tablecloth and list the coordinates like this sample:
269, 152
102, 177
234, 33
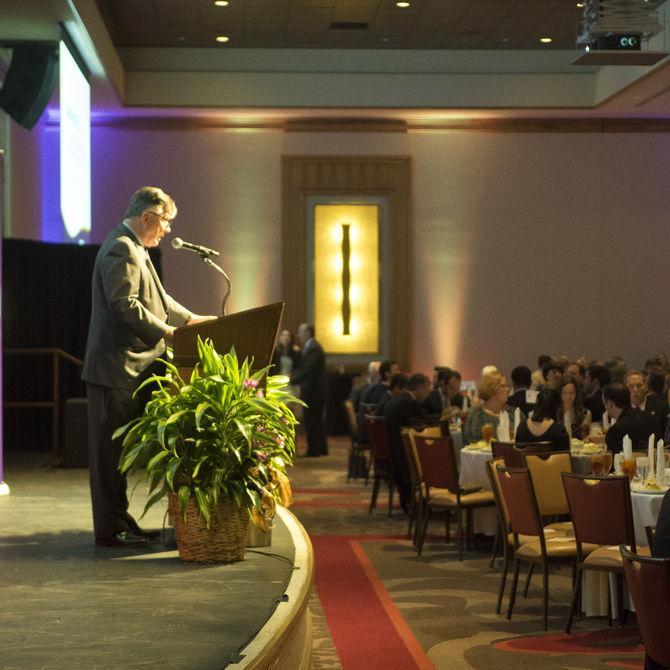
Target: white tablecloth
473, 473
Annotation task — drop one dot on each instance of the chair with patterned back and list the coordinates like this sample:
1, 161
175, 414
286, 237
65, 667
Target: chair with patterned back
380, 455
358, 464
409, 447
648, 581
602, 517
513, 452
518, 493
441, 490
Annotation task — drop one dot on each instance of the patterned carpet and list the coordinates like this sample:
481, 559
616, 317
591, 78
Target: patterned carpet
377, 604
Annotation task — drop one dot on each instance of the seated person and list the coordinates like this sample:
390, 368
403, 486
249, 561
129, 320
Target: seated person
371, 379
542, 426
397, 385
635, 423
596, 378
374, 394
446, 399
572, 406
521, 381
656, 403
493, 392
552, 373
405, 409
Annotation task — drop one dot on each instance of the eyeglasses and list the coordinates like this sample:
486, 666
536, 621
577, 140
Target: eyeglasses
166, 221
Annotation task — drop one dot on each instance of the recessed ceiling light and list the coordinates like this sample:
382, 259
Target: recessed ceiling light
546, 40
222, 38
402, 4
221, 3
580, 5
505, 40
384, 39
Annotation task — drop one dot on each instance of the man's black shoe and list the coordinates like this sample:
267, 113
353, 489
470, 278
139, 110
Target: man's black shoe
149, 534
125, 538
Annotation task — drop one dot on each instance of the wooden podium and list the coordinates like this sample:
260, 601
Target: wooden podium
252, 333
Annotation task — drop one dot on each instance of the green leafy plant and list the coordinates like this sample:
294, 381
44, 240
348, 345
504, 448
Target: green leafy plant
218, 435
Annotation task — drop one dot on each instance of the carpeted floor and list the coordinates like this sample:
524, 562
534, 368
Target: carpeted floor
379, 605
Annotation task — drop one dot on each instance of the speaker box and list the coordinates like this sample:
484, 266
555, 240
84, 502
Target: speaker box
29, 82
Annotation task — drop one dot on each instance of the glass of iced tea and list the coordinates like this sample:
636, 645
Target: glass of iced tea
487, 432
598, 464
629, 468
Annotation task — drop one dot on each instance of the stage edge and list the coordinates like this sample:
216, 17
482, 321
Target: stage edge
285, 642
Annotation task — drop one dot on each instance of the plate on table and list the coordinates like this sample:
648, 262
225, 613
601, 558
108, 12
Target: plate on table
649, 490
478, 446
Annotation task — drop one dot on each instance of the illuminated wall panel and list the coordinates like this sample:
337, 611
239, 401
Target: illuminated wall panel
346, 278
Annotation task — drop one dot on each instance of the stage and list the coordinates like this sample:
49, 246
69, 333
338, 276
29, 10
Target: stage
66, 604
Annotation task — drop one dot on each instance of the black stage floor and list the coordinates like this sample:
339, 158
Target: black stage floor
65, 604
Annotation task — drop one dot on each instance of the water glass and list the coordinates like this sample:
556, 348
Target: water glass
642, 468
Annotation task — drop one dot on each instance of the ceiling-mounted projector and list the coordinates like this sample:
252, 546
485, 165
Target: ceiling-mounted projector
613, 32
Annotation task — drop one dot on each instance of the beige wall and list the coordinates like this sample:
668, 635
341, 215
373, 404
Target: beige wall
524, 243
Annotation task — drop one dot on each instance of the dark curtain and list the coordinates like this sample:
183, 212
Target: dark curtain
46, 303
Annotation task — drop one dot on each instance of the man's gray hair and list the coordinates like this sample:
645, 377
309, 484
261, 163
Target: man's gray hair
148, 197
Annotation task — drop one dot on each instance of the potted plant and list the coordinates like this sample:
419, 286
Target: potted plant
218, 445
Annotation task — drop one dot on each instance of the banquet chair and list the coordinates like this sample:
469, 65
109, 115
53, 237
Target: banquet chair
408, 435
602, 516
513, 452
441, 490
648, 581
380, 455
518, 494
650, 533
505, 533
358, 463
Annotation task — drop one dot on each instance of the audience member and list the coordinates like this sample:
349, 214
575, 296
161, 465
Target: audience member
656, 403
522, 397
397, 385
617, 367
577, 370
446, 399
537, 376
578, 418
552, 372
375, 393
595, 380
493, 392
286, 355
404, 409
638, 425
542, 426
371, 379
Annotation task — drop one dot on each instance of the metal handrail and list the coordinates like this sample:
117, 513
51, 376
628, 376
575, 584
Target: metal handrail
55, 403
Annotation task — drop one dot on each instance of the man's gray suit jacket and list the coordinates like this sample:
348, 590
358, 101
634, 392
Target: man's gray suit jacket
130, 313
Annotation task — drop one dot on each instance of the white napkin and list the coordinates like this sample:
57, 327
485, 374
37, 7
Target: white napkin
606, 421
650, 457
660, 463
466, 402
627, 447
517, 420
503, 427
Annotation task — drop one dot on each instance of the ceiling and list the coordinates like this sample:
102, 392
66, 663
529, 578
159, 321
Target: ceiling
363, 24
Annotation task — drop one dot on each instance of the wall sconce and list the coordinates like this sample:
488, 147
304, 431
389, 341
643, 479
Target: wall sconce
346, 278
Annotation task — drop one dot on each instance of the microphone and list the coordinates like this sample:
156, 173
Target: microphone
178, 243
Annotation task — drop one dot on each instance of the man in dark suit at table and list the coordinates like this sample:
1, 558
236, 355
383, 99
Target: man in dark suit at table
596, 378
446, 395
405, 409
522, 397
310, 376
132, 319
635, 423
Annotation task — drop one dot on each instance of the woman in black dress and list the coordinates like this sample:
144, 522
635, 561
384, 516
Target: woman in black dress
542, 426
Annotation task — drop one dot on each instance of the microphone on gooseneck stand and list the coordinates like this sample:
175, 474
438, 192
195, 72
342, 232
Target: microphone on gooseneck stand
178, 243
206, 256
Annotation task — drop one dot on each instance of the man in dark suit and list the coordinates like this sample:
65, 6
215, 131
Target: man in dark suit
640, 397
446, 395
405, 409
132, 319
638, 425
375, 393
310, 375
597, 377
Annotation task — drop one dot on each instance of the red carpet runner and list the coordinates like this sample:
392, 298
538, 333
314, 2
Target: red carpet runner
367, 628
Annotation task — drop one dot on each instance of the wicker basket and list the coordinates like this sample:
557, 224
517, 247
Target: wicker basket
222, 542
